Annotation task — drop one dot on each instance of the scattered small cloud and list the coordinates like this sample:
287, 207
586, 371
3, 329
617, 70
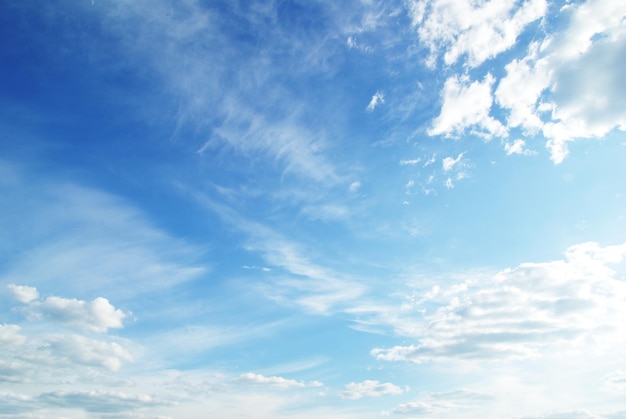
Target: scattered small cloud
377, 99
354, 186
448, 163
517, 147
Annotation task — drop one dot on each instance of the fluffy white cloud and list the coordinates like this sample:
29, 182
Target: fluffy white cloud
98, 315
522, 312
570, 86
85, 351
478, 30
23, 293
370, 388
467, 105
274, 381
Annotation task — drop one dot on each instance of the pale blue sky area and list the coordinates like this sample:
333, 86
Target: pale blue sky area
306, 209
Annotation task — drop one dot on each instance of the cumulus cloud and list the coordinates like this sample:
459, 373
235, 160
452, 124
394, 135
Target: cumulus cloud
467, 105
274, 381
569, 86
98, 315
520, 312
23, 293
475, 30
370, 388
377, 99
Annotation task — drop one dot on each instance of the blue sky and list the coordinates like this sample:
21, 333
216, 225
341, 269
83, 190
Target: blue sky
304, 209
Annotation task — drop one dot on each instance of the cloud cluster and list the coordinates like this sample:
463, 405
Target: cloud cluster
478, 30
566, 87
522, 312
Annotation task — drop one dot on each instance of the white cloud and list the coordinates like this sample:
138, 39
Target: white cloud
13, 403
100, 401
370, 388
23, 293
477, 30
10, 335
448, 163
377, 99
274, 381
517, 147
570, 86
82, 350
518, 313
434, 403
467, 105
98, 315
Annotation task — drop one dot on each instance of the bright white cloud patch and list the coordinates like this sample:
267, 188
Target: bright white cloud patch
23, 293
521, 312
517, 147
377, 100
449, 162
570, 86
478, 30
97, 316
467, 105
370, 388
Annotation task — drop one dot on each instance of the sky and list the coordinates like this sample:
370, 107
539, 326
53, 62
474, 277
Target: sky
306, 209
